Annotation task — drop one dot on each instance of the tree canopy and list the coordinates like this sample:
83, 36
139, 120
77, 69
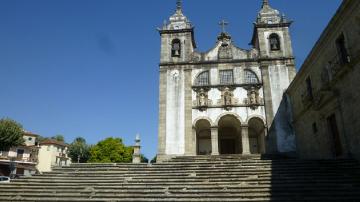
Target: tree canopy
59, 138
11, 134
110, 150
79, 150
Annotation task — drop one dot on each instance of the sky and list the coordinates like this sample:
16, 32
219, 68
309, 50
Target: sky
89, 68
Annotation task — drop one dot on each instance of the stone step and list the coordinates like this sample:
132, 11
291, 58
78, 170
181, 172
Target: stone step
187, 174
203, 188
202, 178
267, 199
237, 166
192, 183
182, 163
184, 194
169, 196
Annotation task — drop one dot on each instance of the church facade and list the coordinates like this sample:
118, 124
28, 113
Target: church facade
225, 100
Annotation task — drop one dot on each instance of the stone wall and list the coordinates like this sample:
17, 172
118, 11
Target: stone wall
335, 90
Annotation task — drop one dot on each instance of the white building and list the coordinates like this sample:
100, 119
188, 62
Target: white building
52, 153
20, 160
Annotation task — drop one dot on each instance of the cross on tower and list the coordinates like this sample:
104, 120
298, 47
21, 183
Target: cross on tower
223, 24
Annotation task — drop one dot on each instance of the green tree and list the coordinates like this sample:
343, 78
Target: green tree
110, 150
59, 138
79, 151
11, 134
40, 139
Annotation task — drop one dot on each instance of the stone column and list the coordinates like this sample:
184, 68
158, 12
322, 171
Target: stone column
245, 139
189, 141
136, 154
214, 141
194, 137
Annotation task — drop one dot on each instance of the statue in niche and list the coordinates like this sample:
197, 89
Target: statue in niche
202, 99
227, 96
253, 98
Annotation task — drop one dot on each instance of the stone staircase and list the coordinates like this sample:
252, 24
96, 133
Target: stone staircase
200, 178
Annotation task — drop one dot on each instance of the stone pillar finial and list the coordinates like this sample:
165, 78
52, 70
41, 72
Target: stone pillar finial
179, 5
265, 3
136, 154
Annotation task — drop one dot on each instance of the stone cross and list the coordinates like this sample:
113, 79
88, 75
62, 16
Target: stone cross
223, 24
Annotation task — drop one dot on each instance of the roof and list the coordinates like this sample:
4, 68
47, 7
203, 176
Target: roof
53, 142
27, 133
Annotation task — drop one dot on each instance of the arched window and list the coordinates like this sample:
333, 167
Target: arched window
250, 77
202, 79
176, 48
274, 41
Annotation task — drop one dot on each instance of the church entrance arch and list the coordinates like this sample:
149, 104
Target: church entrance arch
256, 136
229, 135
203, 137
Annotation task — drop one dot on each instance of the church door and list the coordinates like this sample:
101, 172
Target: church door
227, 146
254, 145
335, 135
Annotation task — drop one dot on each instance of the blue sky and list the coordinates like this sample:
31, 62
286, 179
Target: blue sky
90, 67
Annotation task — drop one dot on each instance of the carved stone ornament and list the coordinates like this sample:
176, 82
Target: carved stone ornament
195, 57
225, 52
253, 98
227, 98
202, 99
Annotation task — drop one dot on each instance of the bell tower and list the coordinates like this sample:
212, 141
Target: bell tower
177, 37
175, 101
272, 39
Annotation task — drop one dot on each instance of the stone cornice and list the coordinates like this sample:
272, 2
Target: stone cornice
232, 106
232, 85
264, 25
225, 62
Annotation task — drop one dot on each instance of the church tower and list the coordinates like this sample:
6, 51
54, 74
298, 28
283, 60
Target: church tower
177, 46
272, 38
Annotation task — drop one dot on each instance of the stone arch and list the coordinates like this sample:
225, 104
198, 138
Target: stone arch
176, 48
247, 77
257, 131
229, 134
274, 42
203, 118
199, 74
202, 128
256, 117
226, 114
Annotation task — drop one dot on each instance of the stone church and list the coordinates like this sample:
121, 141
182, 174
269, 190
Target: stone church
225, 100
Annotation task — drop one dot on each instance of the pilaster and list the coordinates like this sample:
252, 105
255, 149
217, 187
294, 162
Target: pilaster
245, 139
214, 141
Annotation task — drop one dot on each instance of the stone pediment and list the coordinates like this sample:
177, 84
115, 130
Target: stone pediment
223, 51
